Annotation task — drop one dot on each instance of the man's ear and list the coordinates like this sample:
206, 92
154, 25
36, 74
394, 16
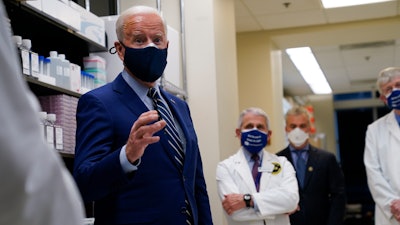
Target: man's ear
119, 49
383, 98
269, 138
237, 131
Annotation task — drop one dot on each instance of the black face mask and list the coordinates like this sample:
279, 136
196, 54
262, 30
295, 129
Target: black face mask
147, 64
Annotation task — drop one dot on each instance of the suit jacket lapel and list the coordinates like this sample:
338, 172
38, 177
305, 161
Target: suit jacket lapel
127, 95
312, 163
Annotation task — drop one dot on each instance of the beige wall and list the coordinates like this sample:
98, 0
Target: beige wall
324, 120
260, 81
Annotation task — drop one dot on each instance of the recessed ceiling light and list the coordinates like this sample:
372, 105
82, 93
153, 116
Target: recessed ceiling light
307, 65
346, 3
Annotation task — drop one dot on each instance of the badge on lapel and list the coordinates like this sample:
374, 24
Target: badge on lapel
274, 168
277, 168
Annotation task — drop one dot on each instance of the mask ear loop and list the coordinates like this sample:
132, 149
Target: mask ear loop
112, 50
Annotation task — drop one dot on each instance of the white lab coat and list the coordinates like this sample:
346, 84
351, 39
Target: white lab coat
381, 159
278, 193
36, 188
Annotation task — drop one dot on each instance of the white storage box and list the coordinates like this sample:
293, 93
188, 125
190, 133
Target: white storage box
92, 26
62, 12
35, 4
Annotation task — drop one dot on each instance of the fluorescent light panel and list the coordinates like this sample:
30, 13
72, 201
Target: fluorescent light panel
307, 65
345, 3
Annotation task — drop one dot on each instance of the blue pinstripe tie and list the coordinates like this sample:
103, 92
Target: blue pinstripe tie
173, 137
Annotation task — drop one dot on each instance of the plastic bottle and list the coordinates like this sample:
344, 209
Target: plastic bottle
33, 59
41, 64
57, 132
51, 119
66, 83
25, 56
18, 43
56, 69
43, 122
46, 66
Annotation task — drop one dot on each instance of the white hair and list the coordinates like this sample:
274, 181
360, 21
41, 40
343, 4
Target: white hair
255, 111
135, 10
386, 76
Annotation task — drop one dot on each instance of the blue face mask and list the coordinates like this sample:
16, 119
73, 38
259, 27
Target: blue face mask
393, 100
254, 140
147, 64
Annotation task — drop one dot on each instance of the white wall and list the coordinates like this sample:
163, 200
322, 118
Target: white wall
212, 85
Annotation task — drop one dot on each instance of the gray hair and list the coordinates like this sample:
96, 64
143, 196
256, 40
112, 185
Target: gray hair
298, 111
132, 11
255, 111
387, 75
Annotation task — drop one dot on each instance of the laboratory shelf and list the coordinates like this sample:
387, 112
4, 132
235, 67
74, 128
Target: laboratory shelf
48, 33
40, 88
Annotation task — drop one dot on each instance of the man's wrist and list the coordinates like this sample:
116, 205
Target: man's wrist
247, 200
137, 162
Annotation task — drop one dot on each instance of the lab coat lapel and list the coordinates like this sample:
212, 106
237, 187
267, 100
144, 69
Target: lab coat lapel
265, 175
242, 168
393, 126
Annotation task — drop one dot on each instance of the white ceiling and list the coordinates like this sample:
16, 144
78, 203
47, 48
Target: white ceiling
351, 59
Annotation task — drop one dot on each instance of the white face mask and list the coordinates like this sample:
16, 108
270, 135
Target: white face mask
297, 137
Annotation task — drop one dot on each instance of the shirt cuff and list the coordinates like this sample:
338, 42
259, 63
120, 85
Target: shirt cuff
127, 167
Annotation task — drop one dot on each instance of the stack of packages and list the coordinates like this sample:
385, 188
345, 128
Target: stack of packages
96, 65
64, 106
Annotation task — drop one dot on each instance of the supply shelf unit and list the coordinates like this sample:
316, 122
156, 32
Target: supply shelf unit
48, 34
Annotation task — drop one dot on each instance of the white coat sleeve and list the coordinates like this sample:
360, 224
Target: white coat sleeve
36, 187
381, 190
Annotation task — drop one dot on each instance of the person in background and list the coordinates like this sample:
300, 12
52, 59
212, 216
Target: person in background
382, 149
320, 178
36, 187
255, 186
137, 155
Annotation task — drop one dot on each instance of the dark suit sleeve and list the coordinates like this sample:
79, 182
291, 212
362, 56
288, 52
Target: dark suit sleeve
337, 192
97, 170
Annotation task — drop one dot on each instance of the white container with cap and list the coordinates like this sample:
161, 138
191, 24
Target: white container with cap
25, 56
44, 71
51, 119
57, 132
56, 69
43, 122
66, 80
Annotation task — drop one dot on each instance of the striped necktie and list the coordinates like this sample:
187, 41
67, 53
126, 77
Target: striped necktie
174, 140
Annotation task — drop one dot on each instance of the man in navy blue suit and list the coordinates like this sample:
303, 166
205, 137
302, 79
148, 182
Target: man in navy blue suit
320, 178
124, 161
